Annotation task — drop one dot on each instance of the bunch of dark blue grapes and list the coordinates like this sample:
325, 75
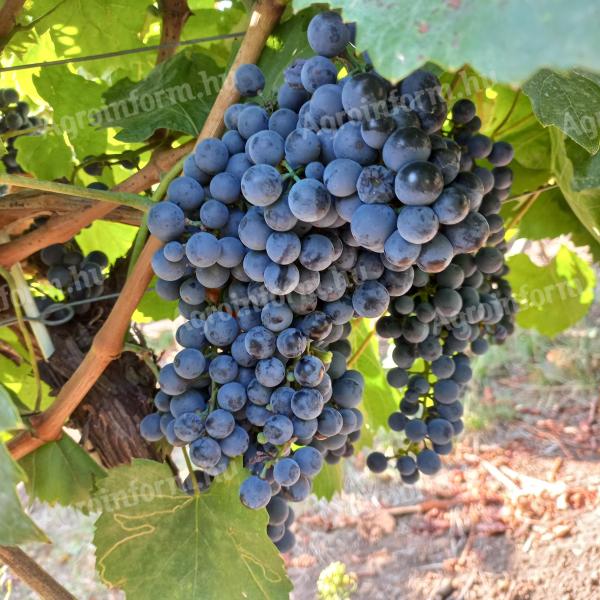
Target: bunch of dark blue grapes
14, 117
449, 315
78, 277
335, 202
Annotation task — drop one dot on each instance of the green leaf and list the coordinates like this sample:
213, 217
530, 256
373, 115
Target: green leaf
176, 95
153, 308
569, 101
208, 546
532, 146
507, 40
208, 21
61, 472
10, 337
45, 156
15, 526
379, 399
586, 167
329, 481
550, 217
85, 27
287, 43
73, 98
114, 239
585, 203
527, 180
554, 297
18, 379
9, 415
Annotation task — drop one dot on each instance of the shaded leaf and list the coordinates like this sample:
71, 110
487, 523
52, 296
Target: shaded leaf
554, 297
585, 203
586, 167
15, 526
176, 95
9, 415
61, 472
569, 101
209, 546
550, 217
507, 40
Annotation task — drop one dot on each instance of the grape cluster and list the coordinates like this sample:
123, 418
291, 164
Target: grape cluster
79, 277
14, 117
464, 307
349, 198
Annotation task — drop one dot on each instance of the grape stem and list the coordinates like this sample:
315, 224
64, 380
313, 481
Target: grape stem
363, 346
26, 569
291, 172
12, 286
19, 132
282, 450
133, 200
508, 114
113, 158
213, 397
523, 209
190, 468
544, 188
355, 64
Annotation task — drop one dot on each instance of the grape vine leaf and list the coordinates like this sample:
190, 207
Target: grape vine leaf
73, 99
153, 308
176, 95
379, 399
586, 167
585, 203
208, 546
569, 101
329, 481
61, 472
550, 217
554, 297
44, 156
507, 40
526, 180
17, 377
9, 415
15, 526
114, 239
88, 27
208, 21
